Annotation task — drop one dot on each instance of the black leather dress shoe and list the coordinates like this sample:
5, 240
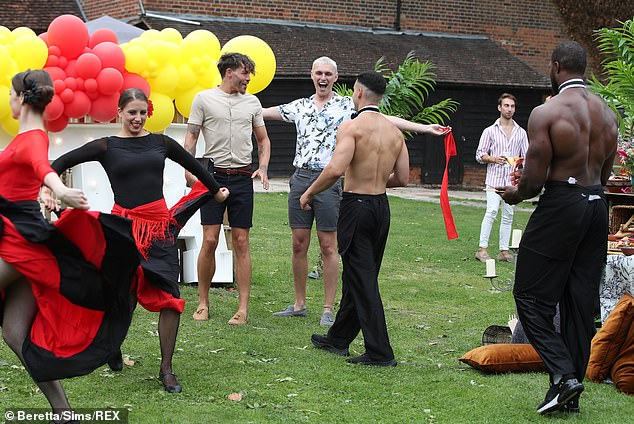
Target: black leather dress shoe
323, 342
170, 388
366, 360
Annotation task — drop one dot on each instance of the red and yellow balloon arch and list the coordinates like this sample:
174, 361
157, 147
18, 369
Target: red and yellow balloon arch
90, 71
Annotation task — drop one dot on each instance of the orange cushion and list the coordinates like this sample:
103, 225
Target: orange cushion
606, 344
499, 358
623, 369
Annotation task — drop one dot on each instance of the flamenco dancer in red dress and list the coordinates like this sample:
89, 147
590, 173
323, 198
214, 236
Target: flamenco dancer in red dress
64, 303
134, 161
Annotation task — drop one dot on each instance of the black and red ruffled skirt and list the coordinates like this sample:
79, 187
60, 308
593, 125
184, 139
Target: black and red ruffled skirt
156, 230
80, 270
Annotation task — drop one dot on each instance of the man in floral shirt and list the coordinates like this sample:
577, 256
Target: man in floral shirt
316, 119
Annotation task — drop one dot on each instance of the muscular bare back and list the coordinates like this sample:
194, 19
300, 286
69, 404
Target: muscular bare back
379, 155
578, 130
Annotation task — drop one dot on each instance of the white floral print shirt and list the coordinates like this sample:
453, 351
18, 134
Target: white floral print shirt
316, 130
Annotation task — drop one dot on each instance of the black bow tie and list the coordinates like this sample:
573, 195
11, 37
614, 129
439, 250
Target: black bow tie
365, 109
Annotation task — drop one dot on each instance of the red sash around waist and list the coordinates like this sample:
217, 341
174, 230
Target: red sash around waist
150, 222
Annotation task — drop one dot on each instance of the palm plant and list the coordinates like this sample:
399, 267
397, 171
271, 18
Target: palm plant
618, 90
406, 91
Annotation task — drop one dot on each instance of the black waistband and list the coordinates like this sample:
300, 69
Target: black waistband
349, 195
594, 189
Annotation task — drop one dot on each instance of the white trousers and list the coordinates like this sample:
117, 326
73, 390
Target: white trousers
493, 205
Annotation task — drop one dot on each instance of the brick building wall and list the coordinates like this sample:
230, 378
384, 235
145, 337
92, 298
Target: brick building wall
529, 29
474, 176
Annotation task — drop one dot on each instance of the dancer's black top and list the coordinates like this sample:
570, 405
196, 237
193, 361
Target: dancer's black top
135, 165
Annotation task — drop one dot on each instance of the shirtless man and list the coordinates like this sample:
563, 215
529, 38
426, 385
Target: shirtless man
372, 154
316, 119
572, 148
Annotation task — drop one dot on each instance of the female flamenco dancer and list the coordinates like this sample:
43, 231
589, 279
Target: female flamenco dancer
64, 308
134, 161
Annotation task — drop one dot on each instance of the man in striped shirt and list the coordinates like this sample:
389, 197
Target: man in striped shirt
505, 138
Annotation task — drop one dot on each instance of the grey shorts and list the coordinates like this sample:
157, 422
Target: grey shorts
325, 207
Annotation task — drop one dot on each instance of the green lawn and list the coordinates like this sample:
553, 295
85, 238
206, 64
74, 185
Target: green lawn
437, 306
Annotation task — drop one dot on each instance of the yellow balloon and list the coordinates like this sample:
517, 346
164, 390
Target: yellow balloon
22, 31
158, 50
165, 81
260, 53
136, 59
186, 77
198, 43
172, 35
163, 113
5, 35
30, 52
5, 56
5, 107
10, 125
8, 70
150, 34
208, 76
184, 100
174, 53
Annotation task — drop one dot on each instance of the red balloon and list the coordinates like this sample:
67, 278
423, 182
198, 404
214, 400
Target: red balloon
93, 95
55, 72
135, 81
90, 85
111, 55
79, 107
88, 65
101, 35
71, 83
52, 60
104, 109
63, 62
58, 124
71, 68
59, 86
54, 109
110, 81
54, 50
70, 34
67, 95
80, 83
44, 36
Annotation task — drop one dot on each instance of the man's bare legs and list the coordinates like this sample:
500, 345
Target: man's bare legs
301, 243
206, 268
19, 312
242, 252
330, 257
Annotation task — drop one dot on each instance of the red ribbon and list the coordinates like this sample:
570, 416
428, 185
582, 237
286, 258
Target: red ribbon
450, 150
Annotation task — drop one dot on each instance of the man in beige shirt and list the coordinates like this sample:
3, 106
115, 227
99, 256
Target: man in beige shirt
372, 154
228, 116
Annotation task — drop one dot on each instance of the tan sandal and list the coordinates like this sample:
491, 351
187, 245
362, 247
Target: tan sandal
238, 319
201, 314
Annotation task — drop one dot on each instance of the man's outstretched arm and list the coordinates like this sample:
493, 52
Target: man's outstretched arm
405, 125
272, 113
